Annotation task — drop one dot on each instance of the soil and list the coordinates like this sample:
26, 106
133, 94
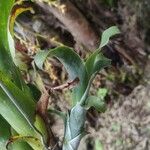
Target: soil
126, 123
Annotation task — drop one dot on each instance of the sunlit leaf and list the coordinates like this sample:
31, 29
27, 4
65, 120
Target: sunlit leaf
17, 108
19, 142
96, 62
6, 62
17, 145
5, 9
16, 102
12, 99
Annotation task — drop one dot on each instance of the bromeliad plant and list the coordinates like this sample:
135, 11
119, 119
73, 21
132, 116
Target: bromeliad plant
85, 72
21, 126
82, 73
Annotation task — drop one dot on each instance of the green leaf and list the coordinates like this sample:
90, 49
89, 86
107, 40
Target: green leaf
18, 145
40, 58
16, 103
4, 133
96, 62
73, 64
7, 67
107, 34
6, 62
13, 100
35, 92
74, 127
100, 63
95, 102
5, 9
77, 119
18, 109
67, 57
18, 142
6, 41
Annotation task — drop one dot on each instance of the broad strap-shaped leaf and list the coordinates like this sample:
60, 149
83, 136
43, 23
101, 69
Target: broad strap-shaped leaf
5, 56
73, 64
5, 9
7, 44
14, 101
67, 57
18, 144
4, 133
6, 41
74, 127
18, 109
107, 34
17, 120
97, 61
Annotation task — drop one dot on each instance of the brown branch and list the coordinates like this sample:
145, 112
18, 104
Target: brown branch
69, 85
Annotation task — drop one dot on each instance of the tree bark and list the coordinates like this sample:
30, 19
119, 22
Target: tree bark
74, 21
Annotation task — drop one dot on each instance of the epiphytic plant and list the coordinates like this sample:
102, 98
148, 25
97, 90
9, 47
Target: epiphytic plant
21, 127
85, 72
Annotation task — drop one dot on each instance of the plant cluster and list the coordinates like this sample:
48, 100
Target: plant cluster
21, 126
